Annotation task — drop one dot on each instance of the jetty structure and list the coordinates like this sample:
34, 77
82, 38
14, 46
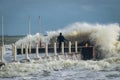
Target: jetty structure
85, 51
72, 50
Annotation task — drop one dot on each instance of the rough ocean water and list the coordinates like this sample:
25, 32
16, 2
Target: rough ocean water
105, 37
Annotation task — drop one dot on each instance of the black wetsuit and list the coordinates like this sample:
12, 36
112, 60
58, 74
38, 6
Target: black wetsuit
60, 39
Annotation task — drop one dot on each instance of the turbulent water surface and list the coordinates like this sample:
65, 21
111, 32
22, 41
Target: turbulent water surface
62, 69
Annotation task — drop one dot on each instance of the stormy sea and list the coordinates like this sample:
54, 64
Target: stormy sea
104, 37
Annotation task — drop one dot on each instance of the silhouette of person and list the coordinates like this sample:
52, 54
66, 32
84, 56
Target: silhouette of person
60, 39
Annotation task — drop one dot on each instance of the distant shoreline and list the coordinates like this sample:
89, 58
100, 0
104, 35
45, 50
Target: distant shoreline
11, 39
13, 35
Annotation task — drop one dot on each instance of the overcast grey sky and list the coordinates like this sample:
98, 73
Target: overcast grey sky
55, 14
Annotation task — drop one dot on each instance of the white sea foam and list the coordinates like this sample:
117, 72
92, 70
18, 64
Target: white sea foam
23, 69
60, 69
16, 69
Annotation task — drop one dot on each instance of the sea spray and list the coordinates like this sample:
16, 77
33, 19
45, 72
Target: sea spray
34, 39
103, 36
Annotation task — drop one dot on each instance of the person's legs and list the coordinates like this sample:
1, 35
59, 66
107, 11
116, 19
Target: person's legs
59, 47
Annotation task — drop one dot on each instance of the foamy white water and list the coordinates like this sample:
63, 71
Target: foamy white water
104, 36
106, 69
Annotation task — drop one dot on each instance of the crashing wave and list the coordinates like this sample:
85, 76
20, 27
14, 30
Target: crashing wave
105, 37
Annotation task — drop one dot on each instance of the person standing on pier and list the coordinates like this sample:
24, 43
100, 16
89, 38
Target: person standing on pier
60, 39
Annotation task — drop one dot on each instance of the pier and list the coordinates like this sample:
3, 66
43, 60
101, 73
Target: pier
87, 52
70, 52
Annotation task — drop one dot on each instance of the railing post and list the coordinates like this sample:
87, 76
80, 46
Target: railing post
37, 53
62, 48
29, 47
69, 47
14, 52
46, 50
2, 53
26, 52
55, 49
76, 47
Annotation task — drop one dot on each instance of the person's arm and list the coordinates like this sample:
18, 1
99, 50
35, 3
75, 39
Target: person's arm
65, 39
